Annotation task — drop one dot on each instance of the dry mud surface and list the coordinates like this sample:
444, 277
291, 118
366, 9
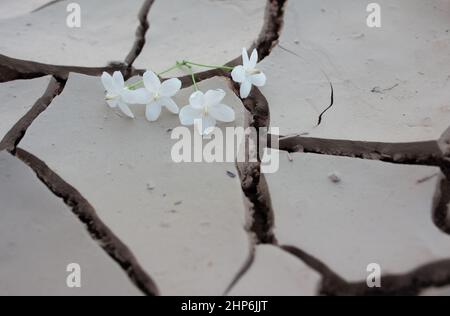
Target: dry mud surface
364, 151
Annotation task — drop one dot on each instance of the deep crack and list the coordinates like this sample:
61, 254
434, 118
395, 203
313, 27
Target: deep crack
266, 41
436, 274
244, 269
140, 33
441, 205
329, 107
86, 213
419, 153
17, 132
47, 5
260, 213
253, 182
14, 69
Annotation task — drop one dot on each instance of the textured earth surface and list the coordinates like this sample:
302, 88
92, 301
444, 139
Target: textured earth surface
364, 151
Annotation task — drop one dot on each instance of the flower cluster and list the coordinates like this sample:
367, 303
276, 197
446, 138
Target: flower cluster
203, 110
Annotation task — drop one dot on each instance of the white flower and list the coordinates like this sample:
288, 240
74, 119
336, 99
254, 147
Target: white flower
206, 109
117, 94
156, 95
247, 74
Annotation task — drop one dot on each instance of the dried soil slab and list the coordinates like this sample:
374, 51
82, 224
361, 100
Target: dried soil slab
17, 98
13, 8
184, 222
444, 291
277, 273
392, 83
366, 212
204, 31
39, 237
107, 34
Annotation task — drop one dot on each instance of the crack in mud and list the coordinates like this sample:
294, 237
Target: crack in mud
86, 213
436, 274
244, 269
15, 69
418, 153
254, 186
253, 181
433, 153
329, 107
17, 132
260, 212
141, 32
266, 41
441, 205
320, 119
47, 5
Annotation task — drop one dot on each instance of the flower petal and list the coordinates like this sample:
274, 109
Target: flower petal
258, 80
170, 105
189, 114
107, 81
253, 59
153, 111
197, 100
207, 125
125, 109
118, 81
246, 87
170, 87
238, 74
151, 81
214, 97
113, 103
245, 59
139, 96
222, 112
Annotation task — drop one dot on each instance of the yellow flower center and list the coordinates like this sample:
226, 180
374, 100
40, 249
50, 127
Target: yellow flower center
110, 97
255, 71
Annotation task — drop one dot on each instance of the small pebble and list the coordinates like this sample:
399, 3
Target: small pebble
290, 157
231, 174
334, 177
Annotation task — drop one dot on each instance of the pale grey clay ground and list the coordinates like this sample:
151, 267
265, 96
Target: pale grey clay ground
188, 227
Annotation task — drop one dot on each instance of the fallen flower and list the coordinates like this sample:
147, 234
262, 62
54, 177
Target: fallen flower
156, 95
247, 74
117, 94
206, 109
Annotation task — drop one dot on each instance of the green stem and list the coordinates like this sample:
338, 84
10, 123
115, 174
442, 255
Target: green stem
169, 70
135, 85
208, 66
180, 65
140, 82
185, 64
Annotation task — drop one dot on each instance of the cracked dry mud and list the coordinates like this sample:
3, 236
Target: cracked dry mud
369, 184
32, 261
